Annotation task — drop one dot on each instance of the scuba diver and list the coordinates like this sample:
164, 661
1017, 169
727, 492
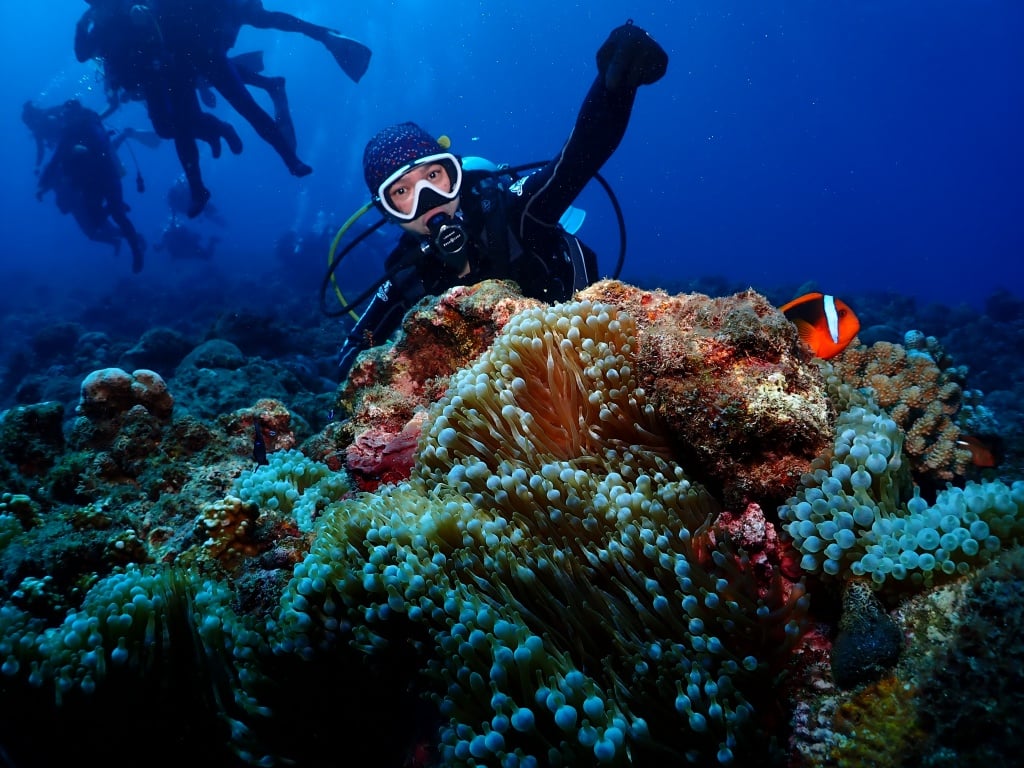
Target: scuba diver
353, 57
45, 124
179, 199
250, 69
460, 230
162, 51
198, 36
206, 32
85, 175
182, 242
136, 66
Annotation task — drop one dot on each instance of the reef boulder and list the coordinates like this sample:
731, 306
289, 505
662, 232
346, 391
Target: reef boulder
111, 397
745, 404
391, 384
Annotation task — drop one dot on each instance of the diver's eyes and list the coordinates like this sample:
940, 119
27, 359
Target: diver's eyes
438, 176
398, 192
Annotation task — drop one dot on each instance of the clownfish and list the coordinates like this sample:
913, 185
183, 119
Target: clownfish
826, 324
986, 451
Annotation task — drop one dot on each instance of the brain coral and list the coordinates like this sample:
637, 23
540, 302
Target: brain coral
557, 574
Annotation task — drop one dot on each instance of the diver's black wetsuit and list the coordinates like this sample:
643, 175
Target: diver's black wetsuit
85, 174
45, 124
538, 254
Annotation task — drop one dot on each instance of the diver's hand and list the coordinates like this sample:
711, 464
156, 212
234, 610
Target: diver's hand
630, 58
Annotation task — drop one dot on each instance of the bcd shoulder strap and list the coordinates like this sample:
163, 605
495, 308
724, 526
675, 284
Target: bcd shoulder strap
489, 201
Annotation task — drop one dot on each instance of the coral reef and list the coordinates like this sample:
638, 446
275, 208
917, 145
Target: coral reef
746, 408
572, 600
536, 535
920, 388
160, 349
32, 438
953, 697
985, 657
859, 514
390, 384
868, 643
878, 726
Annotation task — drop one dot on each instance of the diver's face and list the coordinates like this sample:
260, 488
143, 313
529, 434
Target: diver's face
402, 197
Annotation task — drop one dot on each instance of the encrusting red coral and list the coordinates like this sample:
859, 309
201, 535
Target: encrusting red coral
390, 385
751, 532
377, 456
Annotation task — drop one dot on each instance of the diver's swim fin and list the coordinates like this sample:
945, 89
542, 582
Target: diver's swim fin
353, 57
251, 61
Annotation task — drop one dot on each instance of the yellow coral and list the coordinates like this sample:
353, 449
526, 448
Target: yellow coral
878, 727
920, 398
225, 527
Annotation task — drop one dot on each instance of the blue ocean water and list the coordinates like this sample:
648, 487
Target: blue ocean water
872, 146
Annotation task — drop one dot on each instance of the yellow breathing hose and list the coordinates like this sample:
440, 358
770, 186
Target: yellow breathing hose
334, 247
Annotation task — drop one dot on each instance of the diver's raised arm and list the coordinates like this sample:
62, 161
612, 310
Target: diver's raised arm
629, 58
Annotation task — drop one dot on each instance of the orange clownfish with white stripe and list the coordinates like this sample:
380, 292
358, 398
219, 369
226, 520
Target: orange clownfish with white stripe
826, 324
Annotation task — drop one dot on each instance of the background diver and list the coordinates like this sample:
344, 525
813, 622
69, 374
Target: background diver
45, 124
461, 229
85, 175
138, 66
179, 199
164, 50
183, 242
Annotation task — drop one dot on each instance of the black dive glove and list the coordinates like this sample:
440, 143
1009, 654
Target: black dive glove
630, 58
381, 316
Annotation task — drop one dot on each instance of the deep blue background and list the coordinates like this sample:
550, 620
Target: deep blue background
865, 146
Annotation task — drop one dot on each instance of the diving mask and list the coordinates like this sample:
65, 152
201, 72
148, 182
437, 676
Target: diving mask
425, 194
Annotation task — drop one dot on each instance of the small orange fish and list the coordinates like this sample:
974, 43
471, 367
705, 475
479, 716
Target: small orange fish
986, 451
826, 324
